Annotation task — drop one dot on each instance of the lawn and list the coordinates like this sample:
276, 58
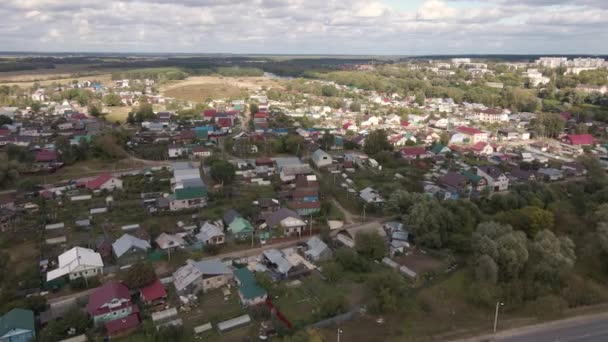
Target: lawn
201, 92
118, 113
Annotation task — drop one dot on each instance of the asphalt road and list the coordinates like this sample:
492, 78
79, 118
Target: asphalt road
595, 330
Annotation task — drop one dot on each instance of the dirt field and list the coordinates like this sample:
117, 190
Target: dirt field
211, 87
419, 262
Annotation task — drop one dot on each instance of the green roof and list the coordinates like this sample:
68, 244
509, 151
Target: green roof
437, 148
240, 225
190, 193
17, 319
249, 288
472, 177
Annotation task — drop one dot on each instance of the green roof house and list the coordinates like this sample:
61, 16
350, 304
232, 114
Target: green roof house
440, 149
249, 291
17, 325
240, 228
188, 198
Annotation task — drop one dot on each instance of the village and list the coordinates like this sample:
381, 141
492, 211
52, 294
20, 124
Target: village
229, 216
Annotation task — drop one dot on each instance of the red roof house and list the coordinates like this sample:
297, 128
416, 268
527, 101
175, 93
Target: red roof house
122, 325
416, 152
223, 122
153, 292
109, 301
104, 181
210, 113
468, 130
4, 132
579, 139
46, 156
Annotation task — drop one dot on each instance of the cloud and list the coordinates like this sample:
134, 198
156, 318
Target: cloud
305, 26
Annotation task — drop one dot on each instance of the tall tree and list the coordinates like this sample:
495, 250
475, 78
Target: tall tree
377, 141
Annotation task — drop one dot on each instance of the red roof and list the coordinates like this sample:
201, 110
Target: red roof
232, 112
123, 324
4, 131
153, 291
209, 113
99, 181
405, 123
346, 125
479, 146
260, 115
413, 151
224, 122
468, 130
264, 161
580, 139
78, 116
46, 156
105, 294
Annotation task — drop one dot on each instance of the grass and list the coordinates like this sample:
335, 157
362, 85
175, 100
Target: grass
200, 92
118, 113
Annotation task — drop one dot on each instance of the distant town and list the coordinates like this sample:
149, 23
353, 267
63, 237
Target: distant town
255, 199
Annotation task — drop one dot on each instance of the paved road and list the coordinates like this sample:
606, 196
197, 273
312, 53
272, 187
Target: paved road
595, 330
590, 328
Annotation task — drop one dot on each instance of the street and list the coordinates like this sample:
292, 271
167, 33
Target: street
590, 328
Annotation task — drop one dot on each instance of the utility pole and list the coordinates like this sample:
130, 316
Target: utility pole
311, 224
339, 333
498, 305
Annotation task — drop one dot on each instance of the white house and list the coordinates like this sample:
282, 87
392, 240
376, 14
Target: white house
496, 179
105, 181
77, 262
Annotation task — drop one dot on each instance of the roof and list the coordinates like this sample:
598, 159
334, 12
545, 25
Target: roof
17, 319
46, 156
75, 259
249, 288
454, 179
316, 246
413, 151
99, 181
165, 241
185, 275
153, 291
127, 242
122, 324
105, 294
240, 225
230, 215
208, 231
320, 155
275, 218
190, 193
212, 267
277, 258
479, 146
580, 139
491, 171
468, 130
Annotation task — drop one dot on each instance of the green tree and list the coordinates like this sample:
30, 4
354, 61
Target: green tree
139, 275
370, 245
420, 98
329, 91
5, 120
223, 171
377, 141
552, 257
254, 108
430, 223
327, 141
94, 111
112, 100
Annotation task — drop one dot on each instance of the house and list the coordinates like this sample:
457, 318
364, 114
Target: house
105, 181
240, 228
170, 241
519, 175
46, 158
203, 276
188, 198
497, 180
371, 196
110, 302
77, 263
317, 250
122, 326
250, 292
579, 139
287, 220
305, 208
321, 159
201, 152
413, 153
471, 135
454, 181
482, 148
305, 195
18, 325
348, 236
103, 246
439, 149
176, 151
128, 249
550, 174
153, 293
230, 215
211, 234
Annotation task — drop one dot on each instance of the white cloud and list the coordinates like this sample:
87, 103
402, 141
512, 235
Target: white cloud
305, 26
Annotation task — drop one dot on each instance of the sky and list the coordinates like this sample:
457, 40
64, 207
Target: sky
357, 27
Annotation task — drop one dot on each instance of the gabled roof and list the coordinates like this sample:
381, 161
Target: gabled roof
76, 259
413, 151
240, 225
209, 231
190, 193
580, 139
468, 130
275, 218
230, 215
249, 288
122, 324
105, 294
165, 241
153, 291
127, 242
212, 267
99, 181
17, 319
46, 156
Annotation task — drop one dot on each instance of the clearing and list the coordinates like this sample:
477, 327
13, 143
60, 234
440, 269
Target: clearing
63, 73
201, 88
